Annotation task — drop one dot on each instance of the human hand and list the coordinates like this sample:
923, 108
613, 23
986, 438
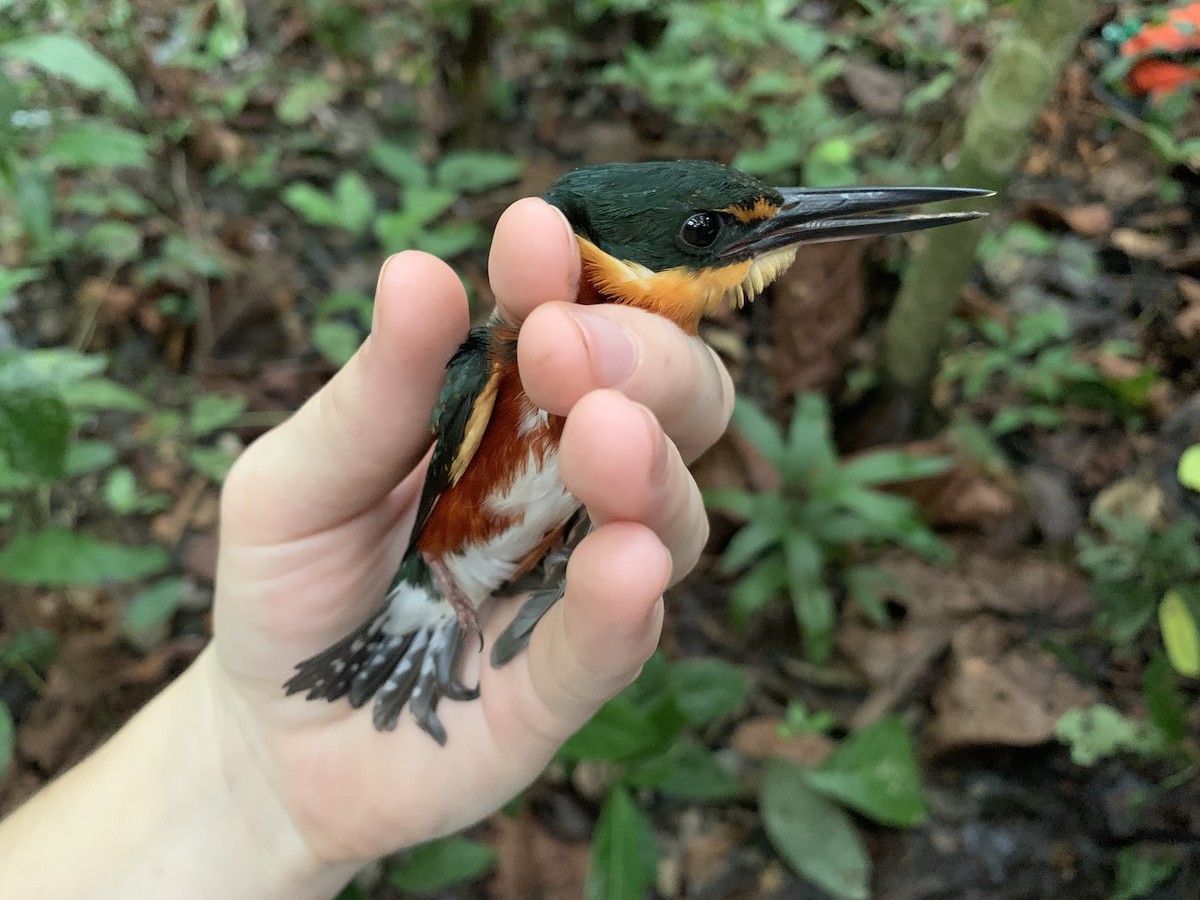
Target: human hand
315, 517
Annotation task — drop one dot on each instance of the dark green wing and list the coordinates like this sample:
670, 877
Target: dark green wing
459, 419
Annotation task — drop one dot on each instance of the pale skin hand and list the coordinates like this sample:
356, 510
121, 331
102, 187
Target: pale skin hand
267, 795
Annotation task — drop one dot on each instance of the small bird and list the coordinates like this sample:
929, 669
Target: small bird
676, 238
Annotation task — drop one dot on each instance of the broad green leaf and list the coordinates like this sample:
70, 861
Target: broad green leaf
624, 854
212, 412
684, 771
1164, 700
55, 368
400, 163
816, 838
95, 144
211, 462
34, 428
865, 584
809, 446
348, 301
732, 502
618, 731
337, 341
67, 57
8, 739
355, 200
115, 242
102, 393
1098, 732
11, 279
57, 557
759, 430
153, 605
442, 864
874, 771
1139, 873
448, 241
707, 689
884, 467
315, 205
469, 171
1179, 634
422, 205
303, 98
34, 647
89, 456
121, 490
757, 588
752, 540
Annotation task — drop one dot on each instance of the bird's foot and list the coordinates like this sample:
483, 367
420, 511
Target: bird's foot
427, 672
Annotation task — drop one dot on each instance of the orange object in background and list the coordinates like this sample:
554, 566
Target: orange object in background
1165, 54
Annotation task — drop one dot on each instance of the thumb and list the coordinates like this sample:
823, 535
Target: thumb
353, 441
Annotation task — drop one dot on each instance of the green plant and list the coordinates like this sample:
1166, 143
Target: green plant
810, 533
873, 772
27, 654
1031, 373
1134, 565
643, 740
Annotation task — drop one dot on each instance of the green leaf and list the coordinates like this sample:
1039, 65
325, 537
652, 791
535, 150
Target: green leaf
816, 838
759, 430
732, 502
400, 163
448, 241
336, 341
442, 864
707, 689
93, 144
469, 172
102, 393
303, 98
1098, 732
33, 647
8, 739
1139, 873
11, 279
212, 412
684, 771
1165, 702
66, 57
624, 854
153, 606
617, 731
89, 456
34, 428
115, 242
1179, 634
809, 446
751, 541
759, 587
874, 771
887, 467
356, 202
211, 462
56, 557
314, 205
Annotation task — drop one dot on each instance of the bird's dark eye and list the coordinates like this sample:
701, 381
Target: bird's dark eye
700, 230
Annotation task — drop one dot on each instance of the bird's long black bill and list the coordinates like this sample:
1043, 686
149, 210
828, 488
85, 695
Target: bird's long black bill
812, 215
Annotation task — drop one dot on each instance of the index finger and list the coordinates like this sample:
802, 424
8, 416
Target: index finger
534, 259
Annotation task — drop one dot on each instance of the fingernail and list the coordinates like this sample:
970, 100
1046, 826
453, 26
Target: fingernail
378, 304
610, 347
658, 465
572, 254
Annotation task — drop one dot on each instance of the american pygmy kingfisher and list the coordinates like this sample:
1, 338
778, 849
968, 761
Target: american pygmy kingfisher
675, 238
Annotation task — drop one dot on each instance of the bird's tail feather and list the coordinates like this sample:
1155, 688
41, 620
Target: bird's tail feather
354, 667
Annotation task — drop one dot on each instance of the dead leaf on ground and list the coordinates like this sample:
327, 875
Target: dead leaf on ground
1001, 692
1140, 244
1089, 220
760, 738
962, 496
533, 864
878, 90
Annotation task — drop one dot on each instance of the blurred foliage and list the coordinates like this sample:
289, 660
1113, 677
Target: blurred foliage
805, 538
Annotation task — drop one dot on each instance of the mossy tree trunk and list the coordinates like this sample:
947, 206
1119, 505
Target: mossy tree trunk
1016, 83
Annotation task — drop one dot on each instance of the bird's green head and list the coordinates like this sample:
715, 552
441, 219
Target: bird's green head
681, 238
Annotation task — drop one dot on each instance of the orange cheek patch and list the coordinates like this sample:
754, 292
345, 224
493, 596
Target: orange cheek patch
761, 210
681, 295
